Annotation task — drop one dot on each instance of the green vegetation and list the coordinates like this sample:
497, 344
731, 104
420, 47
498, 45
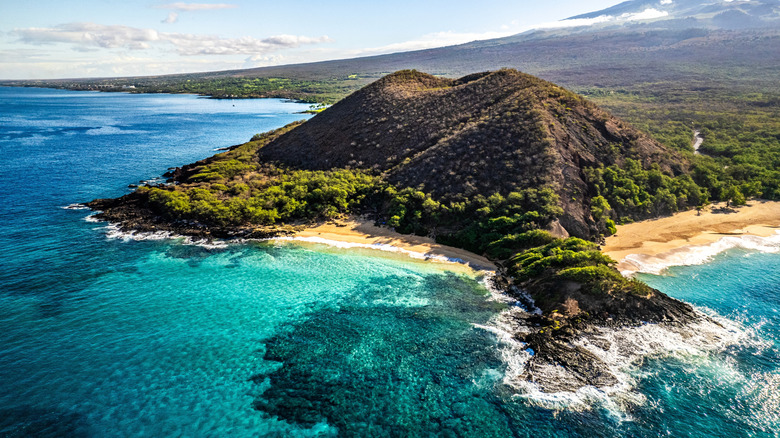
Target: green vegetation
576, 261
232, 189
740, 126
494, 224
221, 86
227, 192
498, 225
314, 91
632, 192
287, 197
316, 108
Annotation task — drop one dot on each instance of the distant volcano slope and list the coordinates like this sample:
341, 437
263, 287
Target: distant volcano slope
495, 132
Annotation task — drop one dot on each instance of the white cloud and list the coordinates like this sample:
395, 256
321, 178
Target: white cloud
576, 22
647, 14
431, 40
119, 65
263, 60
666, 2
184, 7
90, 35
172, 18
187, 44
449, 38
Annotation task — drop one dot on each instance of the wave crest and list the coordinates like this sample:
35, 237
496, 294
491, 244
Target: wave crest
697, 254
114, 231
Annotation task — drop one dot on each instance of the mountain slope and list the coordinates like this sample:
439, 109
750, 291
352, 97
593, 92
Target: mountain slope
719, 14
687, 41
496, 132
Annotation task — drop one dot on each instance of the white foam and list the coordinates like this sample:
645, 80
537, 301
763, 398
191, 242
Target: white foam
112, 130
113, 231
699, 254
488, 282
505, 326
375, 246
75, 207
612, 399
623, 350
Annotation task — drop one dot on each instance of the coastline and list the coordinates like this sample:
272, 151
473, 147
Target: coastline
349, 233
355, 233
689, 238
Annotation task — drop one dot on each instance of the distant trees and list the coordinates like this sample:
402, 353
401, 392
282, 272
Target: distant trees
631, 192
741, 128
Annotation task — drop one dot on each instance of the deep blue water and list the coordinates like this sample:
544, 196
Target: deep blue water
106, 337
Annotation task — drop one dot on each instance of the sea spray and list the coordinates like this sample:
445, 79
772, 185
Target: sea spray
623, 350
114, 231
75, 207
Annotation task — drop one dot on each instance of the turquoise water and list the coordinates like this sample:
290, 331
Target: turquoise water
112, 337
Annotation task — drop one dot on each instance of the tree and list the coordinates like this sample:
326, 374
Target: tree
733, 196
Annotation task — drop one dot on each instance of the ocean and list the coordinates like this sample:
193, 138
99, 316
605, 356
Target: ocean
104, 334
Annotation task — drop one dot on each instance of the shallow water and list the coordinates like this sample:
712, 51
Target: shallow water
102, 336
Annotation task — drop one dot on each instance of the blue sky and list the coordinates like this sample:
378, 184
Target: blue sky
98, 38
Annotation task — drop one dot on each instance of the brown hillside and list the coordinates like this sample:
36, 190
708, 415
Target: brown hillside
484, 133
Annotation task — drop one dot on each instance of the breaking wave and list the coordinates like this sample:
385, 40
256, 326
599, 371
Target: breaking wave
622, 350
698, 254
114, 231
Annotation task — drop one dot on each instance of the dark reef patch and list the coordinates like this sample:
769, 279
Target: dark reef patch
383, 364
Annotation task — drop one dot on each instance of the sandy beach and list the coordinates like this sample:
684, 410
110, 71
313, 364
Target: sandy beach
669, 240
653, 243
364, 234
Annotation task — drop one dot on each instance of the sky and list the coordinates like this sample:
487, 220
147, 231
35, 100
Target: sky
50, 39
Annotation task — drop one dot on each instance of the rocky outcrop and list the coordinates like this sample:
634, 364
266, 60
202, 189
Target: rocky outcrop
134, 214
568, 317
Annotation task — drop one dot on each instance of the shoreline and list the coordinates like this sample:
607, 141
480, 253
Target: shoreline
349, 233
687, 238
355, 233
